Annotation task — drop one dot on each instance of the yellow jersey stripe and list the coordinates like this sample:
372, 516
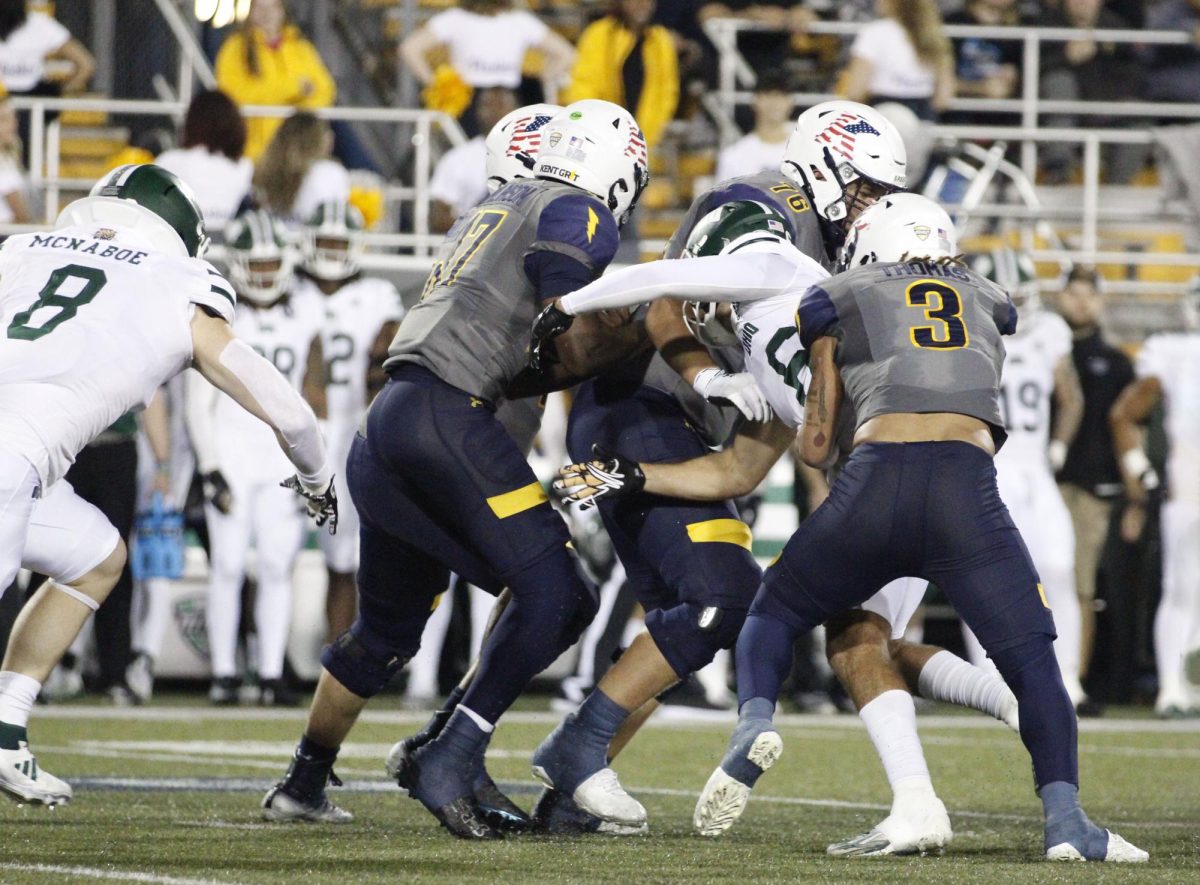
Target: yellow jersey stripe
720, 531
518, 500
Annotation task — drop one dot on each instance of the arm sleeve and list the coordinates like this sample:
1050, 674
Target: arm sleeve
200, 398
1153, 360
817, 316
746, 276
580, 227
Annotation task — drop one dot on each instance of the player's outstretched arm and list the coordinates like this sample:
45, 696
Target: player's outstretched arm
1131, 410
817, 447
257, 387
1068, 410
735, 471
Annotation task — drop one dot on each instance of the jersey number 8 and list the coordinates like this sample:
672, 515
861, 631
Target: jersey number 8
93, 281
943, 308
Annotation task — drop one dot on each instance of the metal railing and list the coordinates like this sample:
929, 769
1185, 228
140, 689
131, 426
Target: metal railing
45, 142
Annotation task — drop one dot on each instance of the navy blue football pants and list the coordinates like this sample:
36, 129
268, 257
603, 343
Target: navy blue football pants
682, 557
931, 510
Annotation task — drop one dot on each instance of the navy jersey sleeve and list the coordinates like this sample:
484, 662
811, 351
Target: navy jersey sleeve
817, 316
1006, 316
579, 227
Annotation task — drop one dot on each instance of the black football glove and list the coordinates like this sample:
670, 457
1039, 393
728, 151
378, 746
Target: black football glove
321, 506
609, 474
216, 490
550, 323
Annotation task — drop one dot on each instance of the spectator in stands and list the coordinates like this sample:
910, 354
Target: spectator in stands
903, 56
986, 67
270, 62
1088, 70
209, 157
1172, 72
625, 59
14, 185
486, 41
761, 149
297, 173
1090, 479
28, 39
763, 50
460, 180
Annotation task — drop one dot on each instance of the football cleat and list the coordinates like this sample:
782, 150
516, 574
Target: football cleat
462, 816
924, 831
601, 794
224, 691
283, 807
724, 797
23, 781
557, 814
139, 676
1118, 850
497, 809
276, 693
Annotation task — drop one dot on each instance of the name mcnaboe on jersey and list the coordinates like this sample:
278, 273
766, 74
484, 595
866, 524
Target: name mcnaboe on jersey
83, 246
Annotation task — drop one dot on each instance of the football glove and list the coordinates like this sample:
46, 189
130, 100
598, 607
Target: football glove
321, 506
740, 391
216, 490
550, 323
609, 474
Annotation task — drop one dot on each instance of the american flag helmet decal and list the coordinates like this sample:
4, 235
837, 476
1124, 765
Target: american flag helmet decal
840, 135
526, 135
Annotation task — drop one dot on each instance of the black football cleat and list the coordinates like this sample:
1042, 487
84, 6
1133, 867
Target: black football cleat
498, 810
461, 816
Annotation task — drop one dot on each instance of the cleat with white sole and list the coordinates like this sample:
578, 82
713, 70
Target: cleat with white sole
283, 807
1119, 850
924, 831
557, 814
603, 796
724, 797
23, 781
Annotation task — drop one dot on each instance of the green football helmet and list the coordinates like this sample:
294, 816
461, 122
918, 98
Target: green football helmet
261, 260
332, 241
728, 228
1012, 270
163, 193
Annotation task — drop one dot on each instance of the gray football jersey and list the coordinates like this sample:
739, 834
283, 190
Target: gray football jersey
471, 327
914, 337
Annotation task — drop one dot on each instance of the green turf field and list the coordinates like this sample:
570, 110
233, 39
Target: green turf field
170, 794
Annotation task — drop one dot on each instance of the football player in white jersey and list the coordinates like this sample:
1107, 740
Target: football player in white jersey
742, 255
283, 325
1039, 372
96, 316
1168, 372
361, 317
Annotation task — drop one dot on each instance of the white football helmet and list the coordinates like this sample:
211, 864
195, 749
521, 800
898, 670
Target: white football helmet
597, 146
899, 227
844, 155
512, 145
260, 260
332, 242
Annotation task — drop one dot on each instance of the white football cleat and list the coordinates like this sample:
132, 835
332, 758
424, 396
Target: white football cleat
924, 830
724, 797
23, 781
603, 796
1119, 851
282, 807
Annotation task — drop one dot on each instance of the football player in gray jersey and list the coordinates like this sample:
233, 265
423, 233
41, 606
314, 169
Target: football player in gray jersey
690, 560
909, 341
440, 486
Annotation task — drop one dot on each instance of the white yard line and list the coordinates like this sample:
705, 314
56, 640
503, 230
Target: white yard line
79, 873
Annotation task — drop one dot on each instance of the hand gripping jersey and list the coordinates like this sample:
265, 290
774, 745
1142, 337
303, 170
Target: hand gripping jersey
914, 337
92, 322
245, 448
1174, 359
354, 314
471, 327
1027, 385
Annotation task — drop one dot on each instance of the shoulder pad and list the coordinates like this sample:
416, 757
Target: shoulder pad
579, 226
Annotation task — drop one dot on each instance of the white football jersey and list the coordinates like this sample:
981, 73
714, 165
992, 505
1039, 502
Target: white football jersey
354, 314
245, 448
1027, 386
1174, 359
93, 320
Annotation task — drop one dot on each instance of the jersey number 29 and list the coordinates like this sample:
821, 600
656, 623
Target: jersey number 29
93, 281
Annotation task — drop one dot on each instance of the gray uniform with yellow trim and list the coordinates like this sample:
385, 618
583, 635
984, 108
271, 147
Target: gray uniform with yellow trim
914, 337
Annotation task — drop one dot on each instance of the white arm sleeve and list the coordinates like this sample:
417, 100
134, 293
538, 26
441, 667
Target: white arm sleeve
742, 276
285, 410
199, 399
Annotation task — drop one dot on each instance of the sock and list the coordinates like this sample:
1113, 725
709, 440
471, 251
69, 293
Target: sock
947, 677
891, 721
1066, 822
311, 764
17, 694
1048, 725
484, 726
450, 764
764, 657
754, 718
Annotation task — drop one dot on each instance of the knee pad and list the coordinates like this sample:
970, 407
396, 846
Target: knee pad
365, 665
689, 636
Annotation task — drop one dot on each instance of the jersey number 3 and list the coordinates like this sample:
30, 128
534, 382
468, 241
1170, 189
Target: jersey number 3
93, 281
943, 309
